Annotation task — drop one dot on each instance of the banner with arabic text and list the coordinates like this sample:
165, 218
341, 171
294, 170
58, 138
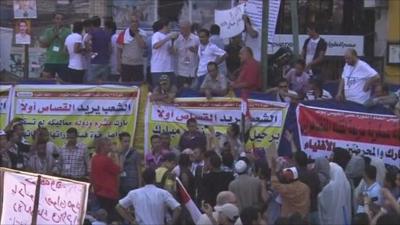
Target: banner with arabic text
373, 135
95, 111
5, 91
267, 118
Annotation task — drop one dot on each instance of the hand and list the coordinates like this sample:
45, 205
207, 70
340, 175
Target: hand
288, 136
173, 35
207, 209
340, 97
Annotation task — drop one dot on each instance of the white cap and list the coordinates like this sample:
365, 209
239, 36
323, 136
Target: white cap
294, 171
240, 166
187, 151
2, 133
229, 210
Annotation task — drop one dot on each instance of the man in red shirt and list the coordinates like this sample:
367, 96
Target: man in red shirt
249, 73
105, 171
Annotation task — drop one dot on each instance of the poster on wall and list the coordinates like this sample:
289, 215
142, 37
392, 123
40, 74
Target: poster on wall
25, 9
22, 32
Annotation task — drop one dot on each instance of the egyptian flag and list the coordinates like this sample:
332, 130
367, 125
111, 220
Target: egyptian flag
187, 201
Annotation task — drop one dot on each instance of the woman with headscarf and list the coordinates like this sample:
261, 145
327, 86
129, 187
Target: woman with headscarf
334, 201
321, 167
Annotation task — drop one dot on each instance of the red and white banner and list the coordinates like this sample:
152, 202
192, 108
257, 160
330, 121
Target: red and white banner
373, 135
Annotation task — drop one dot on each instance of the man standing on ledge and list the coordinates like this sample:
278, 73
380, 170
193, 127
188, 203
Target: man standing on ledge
358, 78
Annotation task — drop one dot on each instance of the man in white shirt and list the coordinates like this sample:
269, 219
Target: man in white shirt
252, 38
357, 80
74, 46
207, 52
149, 202
372, 189
185, 49
161, 54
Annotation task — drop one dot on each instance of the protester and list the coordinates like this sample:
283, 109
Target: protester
227, 214
76, 50
227, 161
372, 188
249, 78
215, 180
252, 38
5, 160
185, 50
104, 174
357, 79
41, 161
283, 94
192, 138
165, 179
99, 42
165, 92
185, 174
314, 50
233, 59
215, 38
153, 158
131, 45
298, 78
53, 39
247, 189
214, 84
381, 95
251, 216
18, 151
88, 27
111, 27
322, 168
223, 198
208, 52
161, 56
149, 202
166, 144
315, 91
334, 201
74, 157
131, 165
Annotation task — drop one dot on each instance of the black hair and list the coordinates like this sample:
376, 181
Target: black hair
316, 82
184, 160
211, 63
96, 21
341, 157
195, 27
111, 25
301, 62
249, 215
360, 219
202, 30
312, 26
370, 172
249, 50
390, 177
283, 80
154, 136
87, 23
124, 134
214, 29
77, 27
163, 23
215, 160
72, 130
301, 158
149, 176
191, 120
227, 159
169, 157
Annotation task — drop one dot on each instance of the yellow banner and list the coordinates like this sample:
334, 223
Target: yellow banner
95, 111
267, 118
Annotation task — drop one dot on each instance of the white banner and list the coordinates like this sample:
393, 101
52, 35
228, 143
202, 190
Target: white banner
336, 44
230, 21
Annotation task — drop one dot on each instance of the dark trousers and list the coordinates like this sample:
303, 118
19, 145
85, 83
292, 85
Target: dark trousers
75, 76
132, 73
109, 205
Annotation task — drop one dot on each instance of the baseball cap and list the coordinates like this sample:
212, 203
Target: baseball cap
2, 133
164, 79
229, 210
240, 166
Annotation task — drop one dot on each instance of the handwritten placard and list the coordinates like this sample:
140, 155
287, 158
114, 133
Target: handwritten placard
230, 21
60, 201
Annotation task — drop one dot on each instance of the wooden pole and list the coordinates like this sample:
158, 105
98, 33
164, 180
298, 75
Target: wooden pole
36, 201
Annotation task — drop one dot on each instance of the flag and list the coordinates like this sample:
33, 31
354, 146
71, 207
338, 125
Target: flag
187, 201
244, 107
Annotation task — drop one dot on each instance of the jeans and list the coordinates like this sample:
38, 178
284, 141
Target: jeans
97, 72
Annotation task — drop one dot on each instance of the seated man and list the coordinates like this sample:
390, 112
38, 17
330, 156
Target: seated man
381, 95
283, 94
215, 84
315, 91
165, 92
297, 77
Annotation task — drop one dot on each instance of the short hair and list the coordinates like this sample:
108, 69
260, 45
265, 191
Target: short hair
390, 178
77, 27
316, 82
96, 21
249, 214
169, 157
184, 160
163, 22
300, 62
214, 29
123, 134
370, 172
249, 50
227, 159
149, 176
156, 26
191, 120
312, 26
111, 25
360, 219
205, 31
215, 160
341, 157
87, 23
154, 136
72, 130
58, 13
283, 80
100, 142
194, 27
301, 158
212, 64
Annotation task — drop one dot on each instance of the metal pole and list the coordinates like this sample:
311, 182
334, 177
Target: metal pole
264, 44
295, 27
26, 62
